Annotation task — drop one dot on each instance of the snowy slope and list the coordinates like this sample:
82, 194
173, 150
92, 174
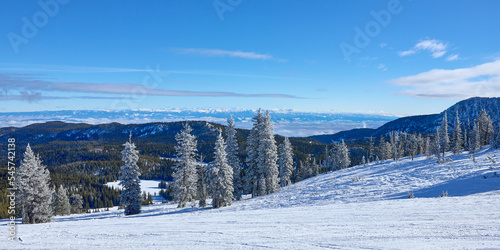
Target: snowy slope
360, 207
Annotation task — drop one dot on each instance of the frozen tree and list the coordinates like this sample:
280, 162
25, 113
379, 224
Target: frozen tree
61, 202
457, 136
185, 175
268, 155
233, 159
262, 175
428, 147
437, 144
33, 193
344, 159
394, 140
130, 196
485, 126
76, 201
444, 139
475, 143
371, 148
286, 162
252, 174
202, 183
222, 174
363, 161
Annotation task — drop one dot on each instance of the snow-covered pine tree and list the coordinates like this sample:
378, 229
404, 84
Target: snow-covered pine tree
185, 175
268, 155
363, 161
33, 193
202, 183
222, 174
428, 147
286, 162
252, 174
371, 149
437, 144
444, 142
76, 201
233, 159
130, 196
345, 159
495, 137
475, 141
61, 202
457, 136
485, 126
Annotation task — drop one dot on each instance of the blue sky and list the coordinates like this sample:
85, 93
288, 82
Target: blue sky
398, 57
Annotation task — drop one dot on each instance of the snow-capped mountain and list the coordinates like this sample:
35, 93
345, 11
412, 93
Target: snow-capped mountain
468, 110
287, 122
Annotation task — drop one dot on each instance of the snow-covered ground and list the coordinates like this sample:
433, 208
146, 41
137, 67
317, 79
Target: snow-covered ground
148, 186
360, 207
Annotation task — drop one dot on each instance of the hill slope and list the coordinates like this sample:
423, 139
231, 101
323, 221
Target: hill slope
468, 110
360, 207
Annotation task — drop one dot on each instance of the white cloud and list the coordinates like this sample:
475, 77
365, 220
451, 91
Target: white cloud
382, 67
383, 45
480, 80
223, 53
436, 47
452, 57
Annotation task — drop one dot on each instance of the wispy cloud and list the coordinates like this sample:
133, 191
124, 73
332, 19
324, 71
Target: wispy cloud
480, 80
453, 57
31, 86
65, 68
436, 47
223, 53
382, 67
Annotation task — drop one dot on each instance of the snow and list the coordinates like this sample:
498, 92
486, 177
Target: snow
150, 186
360, 207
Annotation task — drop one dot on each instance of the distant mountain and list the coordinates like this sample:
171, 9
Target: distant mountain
468, 110
287, 122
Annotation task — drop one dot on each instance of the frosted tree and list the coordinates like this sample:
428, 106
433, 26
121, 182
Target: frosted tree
33, 193
130, 197
457, 136
76, 201
268, 155
185, 175
495, 137
286, 162
475, 141
61, 202
437, 144
202, 183
233, 159
222, 176
343, 155
428, 147
444, 139
252, 174
371, 149
485, 126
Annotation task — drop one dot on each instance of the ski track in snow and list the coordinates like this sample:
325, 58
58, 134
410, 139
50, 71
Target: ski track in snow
364, 207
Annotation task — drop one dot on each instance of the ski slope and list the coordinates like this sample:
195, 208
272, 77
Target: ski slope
360, 207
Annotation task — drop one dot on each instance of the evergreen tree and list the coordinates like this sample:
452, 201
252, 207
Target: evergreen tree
76, 201
202, 183
428, 147
457, 136
371, 148
437, 144
268, 155
252, 174
495, 137
61, 202
33, 193
222, 174
185, 175
233, 159
485, 126
130, 196
475, 143
286, 162
343, 155
444, 142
